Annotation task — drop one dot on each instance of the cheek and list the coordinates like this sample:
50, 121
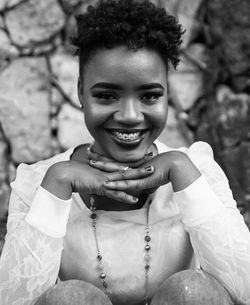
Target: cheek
158, 116
95, 115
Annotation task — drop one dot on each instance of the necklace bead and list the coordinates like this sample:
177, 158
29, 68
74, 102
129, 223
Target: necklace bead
102, 275
93, 216
147, 267
99, 257
147, 258
100, 266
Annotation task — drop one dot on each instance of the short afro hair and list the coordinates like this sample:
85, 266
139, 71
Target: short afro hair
135, 24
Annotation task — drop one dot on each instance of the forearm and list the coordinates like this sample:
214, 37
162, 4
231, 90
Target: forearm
57, 181
182, 172
219, 236
222, 246
30, 258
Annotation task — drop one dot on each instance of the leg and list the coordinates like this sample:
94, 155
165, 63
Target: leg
73, 292
191, 287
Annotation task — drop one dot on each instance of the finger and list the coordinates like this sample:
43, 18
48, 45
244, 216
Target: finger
143, 160
108, 166
131, 173
121, 196
128, 185
95, 156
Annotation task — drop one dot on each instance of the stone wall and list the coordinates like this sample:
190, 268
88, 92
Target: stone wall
39, 114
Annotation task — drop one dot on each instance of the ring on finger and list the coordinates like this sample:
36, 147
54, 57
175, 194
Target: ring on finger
123, 170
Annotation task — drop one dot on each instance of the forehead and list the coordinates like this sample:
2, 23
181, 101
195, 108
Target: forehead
121, 64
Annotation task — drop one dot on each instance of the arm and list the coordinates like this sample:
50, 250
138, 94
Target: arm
31, 256
219, 236
218, 233
30, 259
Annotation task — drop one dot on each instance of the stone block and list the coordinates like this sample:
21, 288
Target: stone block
1, 22
7, 50
71, 127
233, 113
24, 109
3, 160
69, 5
186, 83
191, 27
66, 70
172, 135
186, 11
8, 3
230, 26
34, 21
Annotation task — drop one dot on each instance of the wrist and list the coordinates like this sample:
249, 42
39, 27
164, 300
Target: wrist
182, 171
57, 180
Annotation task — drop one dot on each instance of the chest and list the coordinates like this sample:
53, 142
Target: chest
122, 246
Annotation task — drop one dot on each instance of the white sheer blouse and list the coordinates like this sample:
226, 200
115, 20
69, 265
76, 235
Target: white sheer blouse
48, 238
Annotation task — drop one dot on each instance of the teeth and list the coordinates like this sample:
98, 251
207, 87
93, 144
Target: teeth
127, 136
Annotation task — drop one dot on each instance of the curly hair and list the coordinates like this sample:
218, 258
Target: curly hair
133, 23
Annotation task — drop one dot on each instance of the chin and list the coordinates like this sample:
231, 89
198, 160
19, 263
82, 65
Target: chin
128, 157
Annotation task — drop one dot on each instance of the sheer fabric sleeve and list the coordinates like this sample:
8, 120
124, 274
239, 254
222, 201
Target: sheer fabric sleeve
219, 236
31, 255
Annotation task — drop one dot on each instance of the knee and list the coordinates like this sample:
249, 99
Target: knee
191, 287
73, 292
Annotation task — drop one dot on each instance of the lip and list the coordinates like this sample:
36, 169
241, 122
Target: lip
126, 130
127, 143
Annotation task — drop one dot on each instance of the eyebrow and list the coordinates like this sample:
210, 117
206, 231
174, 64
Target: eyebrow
104, 85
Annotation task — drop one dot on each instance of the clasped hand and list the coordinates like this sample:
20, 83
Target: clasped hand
146, 176
101, 176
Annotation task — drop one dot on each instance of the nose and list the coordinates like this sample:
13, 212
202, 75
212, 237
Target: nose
129, 112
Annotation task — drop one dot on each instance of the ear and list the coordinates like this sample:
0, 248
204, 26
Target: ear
80, 90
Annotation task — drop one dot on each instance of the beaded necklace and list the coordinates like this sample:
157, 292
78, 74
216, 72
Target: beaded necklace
100, 266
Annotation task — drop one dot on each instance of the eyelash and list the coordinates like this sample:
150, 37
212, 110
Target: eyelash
147, 98
105, 96
151, 97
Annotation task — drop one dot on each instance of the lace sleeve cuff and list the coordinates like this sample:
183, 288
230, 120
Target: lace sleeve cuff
197, 202
48, 213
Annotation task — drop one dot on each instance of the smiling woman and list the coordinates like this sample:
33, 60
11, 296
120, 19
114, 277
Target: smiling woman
125, 219
125, 103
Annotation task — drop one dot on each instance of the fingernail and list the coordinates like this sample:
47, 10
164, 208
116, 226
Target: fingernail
150, 154
149, 168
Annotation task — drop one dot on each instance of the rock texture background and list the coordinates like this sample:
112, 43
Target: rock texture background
209, 93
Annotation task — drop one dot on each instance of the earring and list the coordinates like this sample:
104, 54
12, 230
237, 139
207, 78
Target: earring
80, 106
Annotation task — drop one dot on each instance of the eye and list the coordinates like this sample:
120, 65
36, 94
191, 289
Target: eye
150, 97
106, 96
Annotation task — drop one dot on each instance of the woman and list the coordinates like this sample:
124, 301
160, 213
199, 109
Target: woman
125, 220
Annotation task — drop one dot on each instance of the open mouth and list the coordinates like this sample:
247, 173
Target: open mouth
127, 136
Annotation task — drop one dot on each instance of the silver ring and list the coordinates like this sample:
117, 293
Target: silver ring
123, 170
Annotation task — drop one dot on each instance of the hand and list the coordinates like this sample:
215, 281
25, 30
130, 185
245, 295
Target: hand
173, 166
66, 177
111, 165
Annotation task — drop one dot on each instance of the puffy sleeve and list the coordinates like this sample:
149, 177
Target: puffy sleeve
31, 255
219, 236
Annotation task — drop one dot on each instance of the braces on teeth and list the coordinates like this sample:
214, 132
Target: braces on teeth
127, 136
